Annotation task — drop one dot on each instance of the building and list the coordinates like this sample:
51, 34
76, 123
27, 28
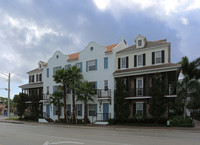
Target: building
34, 87
137, 64
96, 64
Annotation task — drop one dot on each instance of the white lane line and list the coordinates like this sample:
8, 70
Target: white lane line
81, 140
62, 142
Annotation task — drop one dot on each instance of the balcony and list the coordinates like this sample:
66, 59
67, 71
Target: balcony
46, 96
102, 93
135, 92
30, 98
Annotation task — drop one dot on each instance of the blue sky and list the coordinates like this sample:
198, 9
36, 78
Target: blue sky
32, 30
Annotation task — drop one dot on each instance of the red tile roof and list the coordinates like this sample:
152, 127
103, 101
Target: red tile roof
109, 48
73, 56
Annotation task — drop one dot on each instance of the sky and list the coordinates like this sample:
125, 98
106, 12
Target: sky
32, 30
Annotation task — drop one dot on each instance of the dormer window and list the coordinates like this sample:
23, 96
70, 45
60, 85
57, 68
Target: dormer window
139, 43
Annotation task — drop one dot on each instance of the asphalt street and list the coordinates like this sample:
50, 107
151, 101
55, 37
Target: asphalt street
50, 134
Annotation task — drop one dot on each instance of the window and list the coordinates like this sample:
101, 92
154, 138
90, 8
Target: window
68, 91
79, 109
55, 69
105, 84
40, 77
123, 62
92, 109
139, 87
140, 60
37, 78
158, 58
105, 62
68, 110
95, 86
32, 78
40, 66
91, 65
79, 65
47, 72
139, 42
47, 90
139, 107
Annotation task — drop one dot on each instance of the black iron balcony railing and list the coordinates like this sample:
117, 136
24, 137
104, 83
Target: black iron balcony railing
135, 92
104, 93
103, 116
46, 96
32, 97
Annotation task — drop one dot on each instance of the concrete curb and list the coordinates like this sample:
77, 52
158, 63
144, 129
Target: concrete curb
11, 121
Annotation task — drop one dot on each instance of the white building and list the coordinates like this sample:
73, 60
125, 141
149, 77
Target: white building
97, 65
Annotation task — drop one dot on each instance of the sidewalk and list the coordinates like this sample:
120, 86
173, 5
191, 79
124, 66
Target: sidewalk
4, 119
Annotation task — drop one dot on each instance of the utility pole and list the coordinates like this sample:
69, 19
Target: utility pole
8, 95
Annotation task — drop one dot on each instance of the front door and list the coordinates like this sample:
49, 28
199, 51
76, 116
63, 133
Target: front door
105, 111
47, 110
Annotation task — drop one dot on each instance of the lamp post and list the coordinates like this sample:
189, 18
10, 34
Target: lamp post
8, 92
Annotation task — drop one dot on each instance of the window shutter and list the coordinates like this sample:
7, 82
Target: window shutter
144, 109
127, 62
119, 63
144, 59
153, 57
54, 110
134, 109
81, 67
163, 56
135, 61
96, 64
95, 106
81, 109
86, 66
29, 79
105, 62
33, 78
76, 110
134, 87
95, 84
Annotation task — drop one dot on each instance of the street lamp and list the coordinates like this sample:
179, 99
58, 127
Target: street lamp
8, 92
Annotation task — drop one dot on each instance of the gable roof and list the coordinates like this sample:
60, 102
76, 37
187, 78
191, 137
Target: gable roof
73, 56
109, 48
148, 44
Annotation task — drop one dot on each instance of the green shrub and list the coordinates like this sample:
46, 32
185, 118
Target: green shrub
195, 115
179, 121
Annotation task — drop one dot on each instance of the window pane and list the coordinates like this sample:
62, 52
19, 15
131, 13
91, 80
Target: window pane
140, 60
124, 62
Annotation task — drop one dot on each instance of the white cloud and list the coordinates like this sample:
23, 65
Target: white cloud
102, 4
184, 21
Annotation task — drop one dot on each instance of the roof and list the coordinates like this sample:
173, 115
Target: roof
32, 85
109, 48
45, 64
73, 56
148, 69
34, 70
148, 44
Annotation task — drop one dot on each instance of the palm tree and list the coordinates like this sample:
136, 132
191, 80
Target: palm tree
61, 77
73, 78
190, 71
56, 100
84, 93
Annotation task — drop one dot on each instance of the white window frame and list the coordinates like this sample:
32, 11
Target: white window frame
123, 63
139, 108
91, 110
141, 63
139, 41
91, 65
105, 84
158, 56
79, 109
78, 65
138, 87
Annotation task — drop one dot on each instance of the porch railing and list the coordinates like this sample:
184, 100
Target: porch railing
103, 116
45, 115
104, 93
46, 96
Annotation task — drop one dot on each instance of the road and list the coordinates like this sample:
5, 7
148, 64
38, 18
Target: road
45, 134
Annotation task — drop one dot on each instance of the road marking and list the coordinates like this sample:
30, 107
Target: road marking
62, 142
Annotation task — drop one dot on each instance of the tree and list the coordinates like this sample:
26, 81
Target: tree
56, 100
35, 107
19, 101
84, 93
158, 102
191, 72
121, 105
61, 76
73, 78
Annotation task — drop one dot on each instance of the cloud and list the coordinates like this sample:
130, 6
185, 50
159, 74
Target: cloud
184, 20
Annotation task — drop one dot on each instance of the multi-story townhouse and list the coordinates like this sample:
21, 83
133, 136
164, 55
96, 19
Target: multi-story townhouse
35, 85
137, 64
96, 64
